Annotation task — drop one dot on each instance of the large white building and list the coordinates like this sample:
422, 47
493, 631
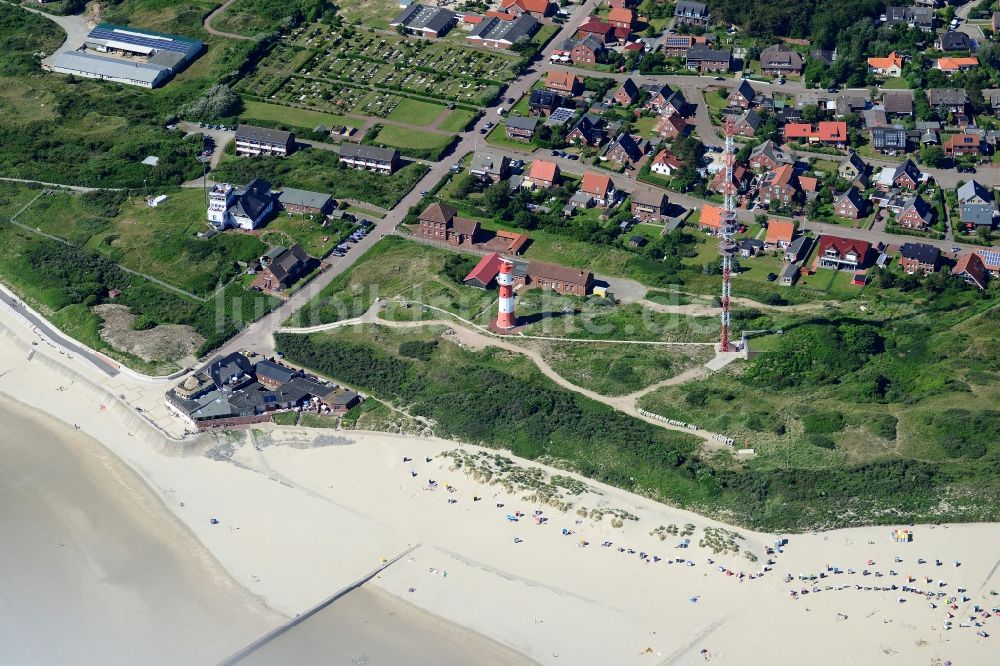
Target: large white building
245, 209
131, 56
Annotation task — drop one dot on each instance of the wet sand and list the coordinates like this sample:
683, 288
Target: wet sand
372, 627
95, 570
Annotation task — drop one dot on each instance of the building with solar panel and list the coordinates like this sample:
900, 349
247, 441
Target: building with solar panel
132, 56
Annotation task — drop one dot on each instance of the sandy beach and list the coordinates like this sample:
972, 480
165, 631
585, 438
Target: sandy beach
500, 572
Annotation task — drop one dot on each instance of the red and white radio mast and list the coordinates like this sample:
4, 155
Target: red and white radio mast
505, 311
727, 229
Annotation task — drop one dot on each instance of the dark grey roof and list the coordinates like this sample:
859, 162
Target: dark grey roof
771, 151
700, 52
287, 267
923, 208
627, 144
746, 90
977, 214
359, 151
342, 398
522, 123
779, 56
228, 368
898, 101
293, 197
263, 135
955, 41
544, 99
974, 191
488, 162
422, 17
497, 29
855, 161
272, 370
630, 88
922, 252
751, 118
947, 96
851, 195
691, 9
254, 199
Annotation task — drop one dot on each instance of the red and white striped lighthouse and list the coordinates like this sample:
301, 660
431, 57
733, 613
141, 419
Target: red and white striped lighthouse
505, 279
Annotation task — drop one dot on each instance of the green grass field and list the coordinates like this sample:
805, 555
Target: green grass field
404, 137
456, 120
288, 115
416, 112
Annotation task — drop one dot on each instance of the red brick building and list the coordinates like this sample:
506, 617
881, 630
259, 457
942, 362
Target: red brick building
440, 222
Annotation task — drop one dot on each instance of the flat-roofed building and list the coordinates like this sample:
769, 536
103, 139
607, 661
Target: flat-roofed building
424, 21
304, 201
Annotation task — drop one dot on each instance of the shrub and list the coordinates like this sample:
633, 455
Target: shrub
822, 441
823, 422
882, 425
418, 349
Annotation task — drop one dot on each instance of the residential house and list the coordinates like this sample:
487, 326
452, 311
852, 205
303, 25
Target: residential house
778, 60
665, 163
928, 131
588, 131
991, 261
621, 17
489, 166
543, 174
521, 128
440, 222
584, 51
710, 219
799, 249
691, 13
624, 149
919, 258
743, 96
424, 21
842, 253
740, 182
952, 65
282, 269
891, 65
914, 17
544, 102
948, 100
780, 234
502, 33
844, 104
702, 58
898, 102
305, 202
749, 247
977, 208
954, 41
832, 133
874, 118
649, 204
889, 140
599, 188
916, 214
536, 8
671, 126
252, 141
747, 123
849, 205
627, 94
825, 56
676, 46
789, 274
664, 100
779, 186
246, 208
854, 169
600, 30
809, 186
959, 145
992, 97
906, 176
370, 158
768, 156
970, 268
563, 82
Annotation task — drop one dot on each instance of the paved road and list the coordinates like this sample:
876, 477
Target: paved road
75, 26
258, 336
219, 33
52, 333
971, 29
60, 186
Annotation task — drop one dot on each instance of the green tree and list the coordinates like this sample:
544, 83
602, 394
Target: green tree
933, 156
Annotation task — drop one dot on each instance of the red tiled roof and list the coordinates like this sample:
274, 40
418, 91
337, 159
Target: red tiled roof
438, 212
798, 131
973, 265
563, 80
672, 120
955, 64
779, 231
538, 6
543, 170
808, 183
472, 19
504, 16
830, 130
621, 14
595, 25
668, 158
893, 59
635, 46
711, 216
780, 177
595, 183
486, 269
844, 245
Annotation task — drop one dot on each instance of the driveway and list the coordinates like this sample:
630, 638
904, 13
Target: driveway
75, 27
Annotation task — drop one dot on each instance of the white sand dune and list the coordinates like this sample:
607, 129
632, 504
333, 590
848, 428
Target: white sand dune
297, 522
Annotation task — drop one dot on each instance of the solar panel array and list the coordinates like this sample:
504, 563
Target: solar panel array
162, 43
990, 257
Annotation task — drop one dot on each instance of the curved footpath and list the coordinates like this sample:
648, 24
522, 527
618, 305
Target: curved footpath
218, 33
